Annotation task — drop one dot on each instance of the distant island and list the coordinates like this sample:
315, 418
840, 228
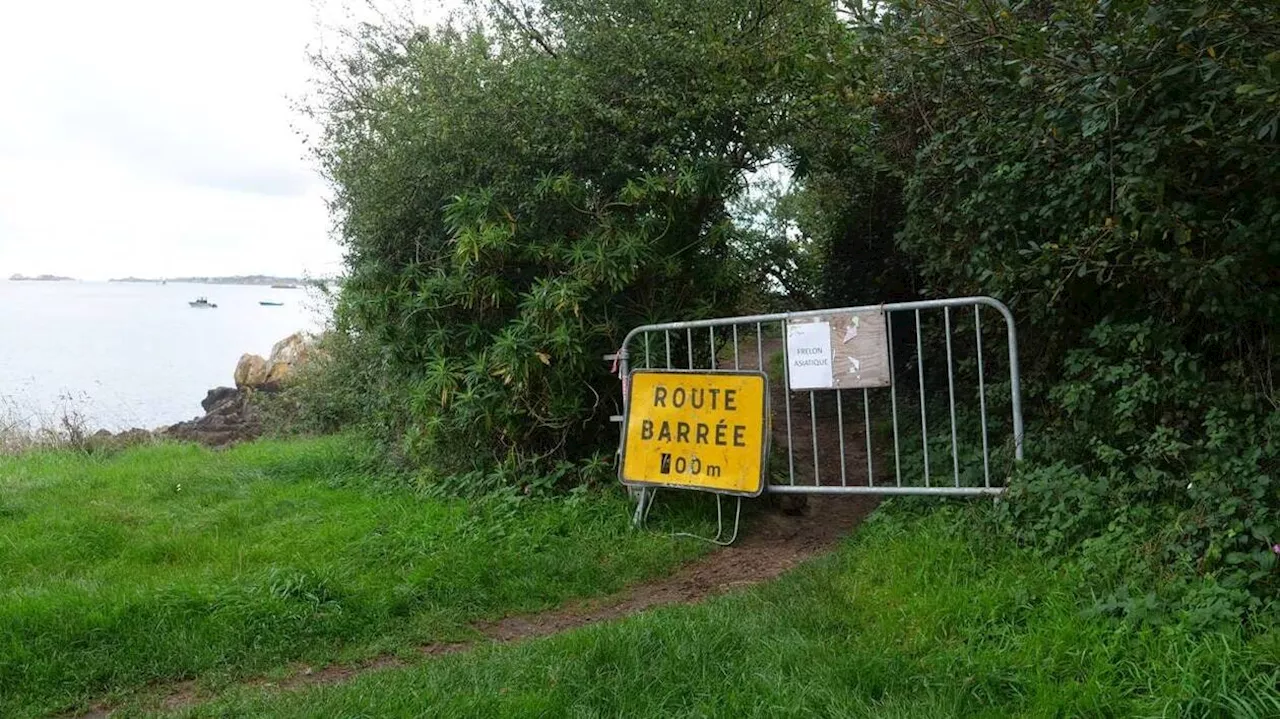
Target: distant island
40, 278
260, 280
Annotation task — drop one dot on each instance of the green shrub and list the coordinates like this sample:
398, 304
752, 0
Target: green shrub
1106, 169
514, 197
334, 389
1160, 469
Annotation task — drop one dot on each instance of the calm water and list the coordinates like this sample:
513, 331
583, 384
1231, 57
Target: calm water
132, 355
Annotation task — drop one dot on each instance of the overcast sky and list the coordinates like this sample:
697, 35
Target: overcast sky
158, 138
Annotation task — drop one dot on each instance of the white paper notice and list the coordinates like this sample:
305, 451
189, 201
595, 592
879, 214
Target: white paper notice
809, 355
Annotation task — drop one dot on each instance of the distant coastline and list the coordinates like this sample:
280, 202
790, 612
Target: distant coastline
258, 280
40, 278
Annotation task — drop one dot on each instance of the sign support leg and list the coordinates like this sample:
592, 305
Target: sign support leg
649, 494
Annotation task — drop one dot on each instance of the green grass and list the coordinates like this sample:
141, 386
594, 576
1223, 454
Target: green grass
915, 617
173, 562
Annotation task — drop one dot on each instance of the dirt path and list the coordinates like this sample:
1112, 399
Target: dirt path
778, 536
774, 543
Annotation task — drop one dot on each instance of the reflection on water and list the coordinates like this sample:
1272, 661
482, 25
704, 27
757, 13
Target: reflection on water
133, 355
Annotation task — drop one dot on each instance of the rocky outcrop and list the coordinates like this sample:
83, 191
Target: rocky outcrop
229, 412
294, 349
229, 417
289, 354
279, 374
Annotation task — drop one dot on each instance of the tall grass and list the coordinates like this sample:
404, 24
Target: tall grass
915, 617
24, 428
173, 562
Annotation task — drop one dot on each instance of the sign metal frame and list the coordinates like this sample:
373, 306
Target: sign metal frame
766, 438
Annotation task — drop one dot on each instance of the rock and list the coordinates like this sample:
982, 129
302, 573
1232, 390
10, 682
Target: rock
229, 418
102, 440
273, 372
279, 373
292, 350
135, 436
251, 371
229, 414
216, 397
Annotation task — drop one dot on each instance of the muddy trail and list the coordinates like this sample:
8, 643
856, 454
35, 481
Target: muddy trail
773, 542
778, 534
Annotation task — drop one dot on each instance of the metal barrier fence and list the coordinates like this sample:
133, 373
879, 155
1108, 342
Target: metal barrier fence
826, 451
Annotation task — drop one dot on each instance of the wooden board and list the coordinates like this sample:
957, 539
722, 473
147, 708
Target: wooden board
857, 354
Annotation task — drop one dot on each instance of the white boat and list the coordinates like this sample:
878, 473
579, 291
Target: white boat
202, 303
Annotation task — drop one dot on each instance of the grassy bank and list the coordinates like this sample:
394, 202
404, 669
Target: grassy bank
174, 562
915, 617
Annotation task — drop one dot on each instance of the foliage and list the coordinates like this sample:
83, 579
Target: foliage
344, 385
779, 263
1083, 160
1107, 169
1163, 471
25, 429
515, 196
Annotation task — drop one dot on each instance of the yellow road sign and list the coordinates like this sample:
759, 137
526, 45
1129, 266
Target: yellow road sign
697, 430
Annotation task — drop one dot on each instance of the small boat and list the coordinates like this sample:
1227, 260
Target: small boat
265, 303
202, 303
284, 287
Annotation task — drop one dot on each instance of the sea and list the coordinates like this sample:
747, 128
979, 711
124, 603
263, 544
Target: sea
113, 355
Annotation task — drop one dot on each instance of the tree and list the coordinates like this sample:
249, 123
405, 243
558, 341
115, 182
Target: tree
515, 197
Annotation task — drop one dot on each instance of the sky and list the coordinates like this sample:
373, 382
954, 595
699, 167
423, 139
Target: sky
159, 138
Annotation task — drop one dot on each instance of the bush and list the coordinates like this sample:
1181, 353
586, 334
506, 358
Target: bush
334, 389
1106, 169
514, 196
1162, 468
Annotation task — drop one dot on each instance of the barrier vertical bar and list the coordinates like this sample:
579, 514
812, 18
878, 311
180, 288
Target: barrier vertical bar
866, 420
840, 426
893, 400
813, 433
924, 422
786, 393
1015, 383
951, 394
982, 397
